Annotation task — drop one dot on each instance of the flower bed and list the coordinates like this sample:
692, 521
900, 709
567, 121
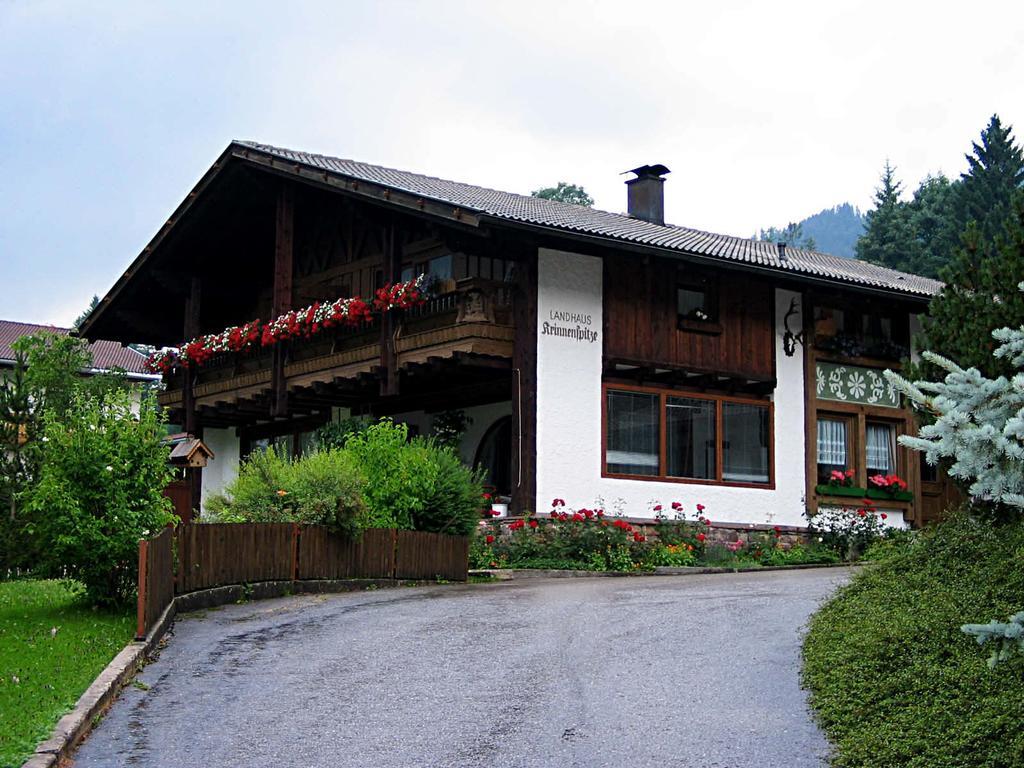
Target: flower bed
591, 539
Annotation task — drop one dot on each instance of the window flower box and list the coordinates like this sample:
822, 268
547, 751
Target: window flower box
841, 490
876, 493
863, 493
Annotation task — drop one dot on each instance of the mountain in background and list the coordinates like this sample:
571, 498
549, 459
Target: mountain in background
833, 230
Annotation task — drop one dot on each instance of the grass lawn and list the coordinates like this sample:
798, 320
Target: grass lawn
43, 673
895, 682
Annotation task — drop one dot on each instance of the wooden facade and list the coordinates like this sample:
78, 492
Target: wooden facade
642, 325
259, 237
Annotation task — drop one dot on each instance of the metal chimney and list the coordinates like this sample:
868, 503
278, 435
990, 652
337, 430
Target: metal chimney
646, 193
782, 252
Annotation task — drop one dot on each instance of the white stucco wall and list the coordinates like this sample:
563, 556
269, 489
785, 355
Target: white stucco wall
223, 467
569, 413
481, 417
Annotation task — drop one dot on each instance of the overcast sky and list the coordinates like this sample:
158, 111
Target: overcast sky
765, 112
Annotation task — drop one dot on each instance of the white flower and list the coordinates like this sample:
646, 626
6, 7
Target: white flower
46, 439
53, 631
109, 468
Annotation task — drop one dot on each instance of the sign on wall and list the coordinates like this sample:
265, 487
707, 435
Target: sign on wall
854, 384
566, 324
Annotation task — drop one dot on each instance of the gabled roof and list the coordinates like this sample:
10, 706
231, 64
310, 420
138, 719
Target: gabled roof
105, 354
553, 215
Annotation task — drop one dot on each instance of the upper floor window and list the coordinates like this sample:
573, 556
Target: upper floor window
696, 304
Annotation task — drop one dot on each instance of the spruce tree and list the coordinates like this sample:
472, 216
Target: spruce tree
932, 221
979, 296
995, 172
888, 238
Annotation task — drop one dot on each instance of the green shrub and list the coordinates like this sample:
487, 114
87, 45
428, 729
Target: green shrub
894, 680
99, 490
416, 484
322, 488
453, 492
336, 434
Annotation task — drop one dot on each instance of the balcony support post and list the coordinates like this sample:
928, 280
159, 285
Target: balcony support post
284, 237
192, 328
389, 322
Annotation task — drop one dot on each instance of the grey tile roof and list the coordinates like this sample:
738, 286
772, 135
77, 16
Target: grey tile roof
105, 354
617, 226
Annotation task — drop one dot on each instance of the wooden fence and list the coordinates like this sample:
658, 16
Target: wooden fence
156, 579
221, 554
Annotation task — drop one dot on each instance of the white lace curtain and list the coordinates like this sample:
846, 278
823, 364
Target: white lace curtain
881, 448
832, 442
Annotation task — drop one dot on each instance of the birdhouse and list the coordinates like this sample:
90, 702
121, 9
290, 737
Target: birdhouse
188, 451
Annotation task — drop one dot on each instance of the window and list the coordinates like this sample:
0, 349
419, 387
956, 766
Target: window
440, 268
833, 442
880, 448
855, 441
691, 437
744, 443
633, 426
675, 436
693, 304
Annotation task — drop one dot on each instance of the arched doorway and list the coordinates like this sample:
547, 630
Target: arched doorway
494, 455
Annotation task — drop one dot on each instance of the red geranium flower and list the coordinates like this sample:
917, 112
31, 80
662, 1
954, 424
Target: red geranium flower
701, 537
489, 539
533, 523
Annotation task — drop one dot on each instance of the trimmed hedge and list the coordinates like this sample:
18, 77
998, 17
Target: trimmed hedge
893, 679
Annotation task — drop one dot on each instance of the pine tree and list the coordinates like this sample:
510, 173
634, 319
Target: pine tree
932, 221
995, 172
979, 296
888, 238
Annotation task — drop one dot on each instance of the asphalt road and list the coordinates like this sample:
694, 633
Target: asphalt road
687, 671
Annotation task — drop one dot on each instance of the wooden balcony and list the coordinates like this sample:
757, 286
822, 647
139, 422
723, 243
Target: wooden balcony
467, 328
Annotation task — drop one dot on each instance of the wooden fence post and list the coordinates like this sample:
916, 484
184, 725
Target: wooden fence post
295, 551
140, 615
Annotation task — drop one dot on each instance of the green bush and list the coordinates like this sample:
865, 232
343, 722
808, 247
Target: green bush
99, 490
416, 484
323, 488
893, 679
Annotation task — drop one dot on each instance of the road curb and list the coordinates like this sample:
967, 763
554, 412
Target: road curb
73, 727
511, 574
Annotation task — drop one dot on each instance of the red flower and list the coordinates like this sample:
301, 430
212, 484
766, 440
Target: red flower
884, 516
676, 506
657, 507
639, 537
701, 537
487, 496
862, 512
600, 513
533, 523
700, 507
489, 539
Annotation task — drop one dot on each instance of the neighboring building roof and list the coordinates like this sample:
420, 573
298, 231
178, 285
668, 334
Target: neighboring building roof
551, 214
105, 354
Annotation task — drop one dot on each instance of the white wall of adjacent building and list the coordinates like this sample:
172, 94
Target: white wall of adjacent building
223, 467
569, 403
